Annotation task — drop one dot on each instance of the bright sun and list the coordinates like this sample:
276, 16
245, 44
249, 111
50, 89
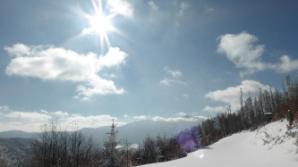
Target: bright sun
99, 24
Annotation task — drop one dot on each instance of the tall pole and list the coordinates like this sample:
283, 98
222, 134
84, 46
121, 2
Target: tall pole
241, 99
112, 143
127, 152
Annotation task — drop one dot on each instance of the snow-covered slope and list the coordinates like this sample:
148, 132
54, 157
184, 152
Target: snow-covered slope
269, 146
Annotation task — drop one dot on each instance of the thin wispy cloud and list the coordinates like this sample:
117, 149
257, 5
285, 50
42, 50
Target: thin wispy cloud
215, 109
173, 77
120, 7
183, 7
153, 6
176, 118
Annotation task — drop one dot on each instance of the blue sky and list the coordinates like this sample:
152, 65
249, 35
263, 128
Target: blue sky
165, 60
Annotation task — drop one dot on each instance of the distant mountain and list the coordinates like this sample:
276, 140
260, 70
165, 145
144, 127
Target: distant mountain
16, 150
134, 132
18, 134
16, 145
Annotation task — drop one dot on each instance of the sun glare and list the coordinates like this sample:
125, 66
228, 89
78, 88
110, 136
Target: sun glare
99, 24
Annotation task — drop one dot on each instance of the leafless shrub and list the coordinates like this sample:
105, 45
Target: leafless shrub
63, 149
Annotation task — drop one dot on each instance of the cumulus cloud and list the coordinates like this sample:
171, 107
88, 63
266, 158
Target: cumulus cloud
231, 95
243, 50
173, 77
18, 50
287, 64
246, 53
52, 63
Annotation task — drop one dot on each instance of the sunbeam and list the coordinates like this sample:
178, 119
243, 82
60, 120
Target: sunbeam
99, 24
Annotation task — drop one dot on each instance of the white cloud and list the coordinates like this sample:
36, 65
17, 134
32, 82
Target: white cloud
182, 114
180, 117
18, 50
231, 95
51, 63
216, 109
97, 86
174, 119
287, 64
171, 82
246, 53
140, 117
243, 50
114, 57
173, 77
120, 7
174, 73
34, 121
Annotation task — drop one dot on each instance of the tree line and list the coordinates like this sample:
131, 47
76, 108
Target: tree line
63, 149
268, 105
57, 148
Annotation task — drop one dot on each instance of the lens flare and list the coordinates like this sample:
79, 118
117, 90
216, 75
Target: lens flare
188, 140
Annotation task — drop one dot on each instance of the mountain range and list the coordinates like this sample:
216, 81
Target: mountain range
134, 132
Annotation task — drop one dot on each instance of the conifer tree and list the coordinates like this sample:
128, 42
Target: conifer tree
111, 154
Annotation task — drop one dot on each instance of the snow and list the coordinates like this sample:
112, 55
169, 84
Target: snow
272, 145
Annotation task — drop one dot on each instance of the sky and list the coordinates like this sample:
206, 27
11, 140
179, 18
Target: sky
89, 62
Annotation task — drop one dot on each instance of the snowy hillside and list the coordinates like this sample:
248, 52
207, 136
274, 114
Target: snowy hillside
272, 145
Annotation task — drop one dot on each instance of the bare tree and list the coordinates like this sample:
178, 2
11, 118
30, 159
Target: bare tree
63, 149
4, 161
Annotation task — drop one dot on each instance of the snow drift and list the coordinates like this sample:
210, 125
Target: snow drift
272, 145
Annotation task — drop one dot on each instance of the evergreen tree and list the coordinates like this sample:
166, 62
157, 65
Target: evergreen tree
111, 154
